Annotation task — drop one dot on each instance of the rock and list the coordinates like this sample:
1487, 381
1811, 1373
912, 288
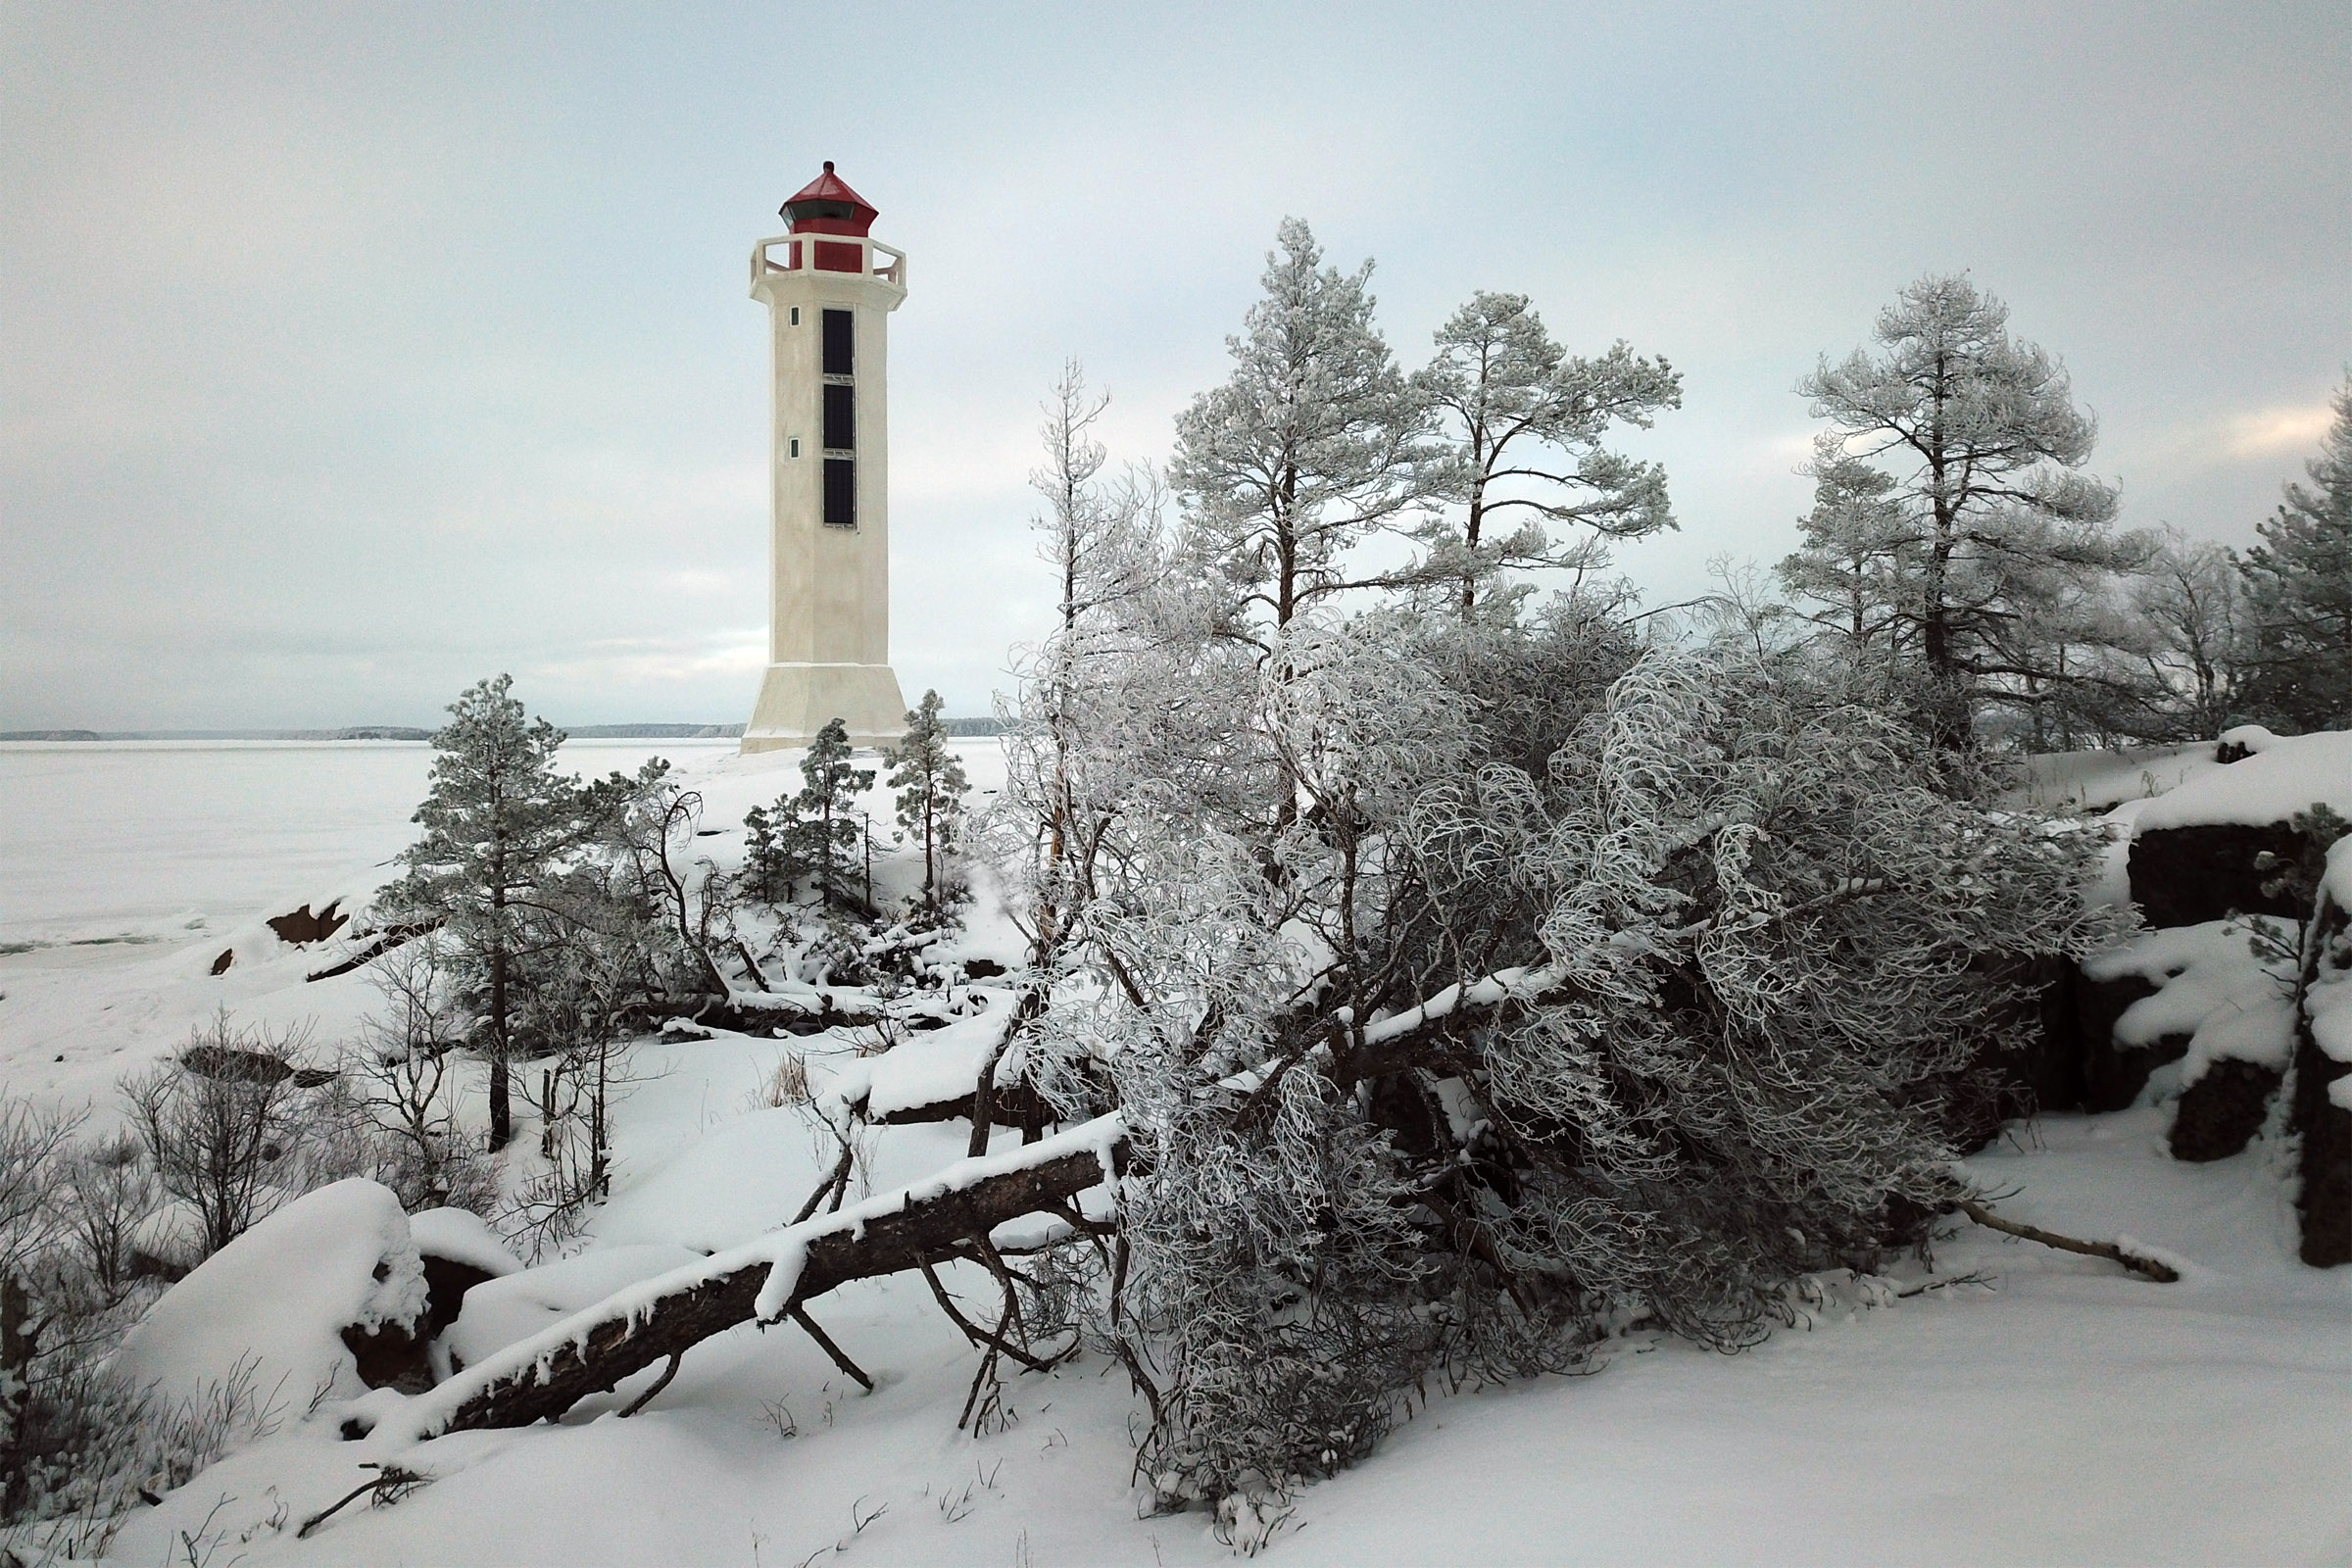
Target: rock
2111, 1076
302, 927
2325, 1199
327, 1292
390, 1357
2322, 1111
2189, 875
2221, 1113
229, 956
229, 1065
461, 1251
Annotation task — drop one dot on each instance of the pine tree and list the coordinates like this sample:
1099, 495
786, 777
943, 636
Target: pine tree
1313, 444
497, 824
1985, 445
2299, 593
771, 865
931, 784
1525, 422
827, 831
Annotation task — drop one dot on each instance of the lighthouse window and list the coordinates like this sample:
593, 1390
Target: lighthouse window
840, 343
796, 315
840, 492
841, 416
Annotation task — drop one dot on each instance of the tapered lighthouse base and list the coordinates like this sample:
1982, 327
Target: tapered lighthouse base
796, 701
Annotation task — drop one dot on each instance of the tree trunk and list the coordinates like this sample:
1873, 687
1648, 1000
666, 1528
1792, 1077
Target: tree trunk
502, 1111
635, 1337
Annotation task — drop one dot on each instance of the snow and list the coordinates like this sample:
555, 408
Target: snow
2070, 1412
279, 1298
461, 1237
936, 1065
2091, 781
2212, 990
2337, 876
2284, 776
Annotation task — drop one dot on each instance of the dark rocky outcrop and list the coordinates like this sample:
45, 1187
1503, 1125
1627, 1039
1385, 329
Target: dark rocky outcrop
2325, 1203
2081, 1067
390, 1357
446, 1281
2221, 1113
302, 927
2189, 875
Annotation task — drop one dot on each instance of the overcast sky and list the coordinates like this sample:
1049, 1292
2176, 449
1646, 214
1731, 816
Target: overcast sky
350, 353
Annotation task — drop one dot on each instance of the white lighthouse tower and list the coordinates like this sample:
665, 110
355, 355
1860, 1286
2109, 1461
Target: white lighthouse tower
829, 301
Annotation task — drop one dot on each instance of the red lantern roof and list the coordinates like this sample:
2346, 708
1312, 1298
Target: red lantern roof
828, 206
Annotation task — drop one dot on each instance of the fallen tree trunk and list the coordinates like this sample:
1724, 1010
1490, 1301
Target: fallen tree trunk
390, 937
591, 1351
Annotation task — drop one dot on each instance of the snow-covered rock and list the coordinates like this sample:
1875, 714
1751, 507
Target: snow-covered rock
2279, 776
273, 1305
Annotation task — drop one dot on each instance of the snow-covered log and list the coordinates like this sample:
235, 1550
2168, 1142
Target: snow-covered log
764, 1281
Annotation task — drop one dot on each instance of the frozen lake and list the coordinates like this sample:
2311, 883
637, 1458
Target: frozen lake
153, 840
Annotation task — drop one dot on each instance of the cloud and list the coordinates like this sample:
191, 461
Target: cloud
2275, 430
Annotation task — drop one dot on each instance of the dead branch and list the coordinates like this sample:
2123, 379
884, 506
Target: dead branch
2162, 1273
676, 1357
386, 939
800, 1314
390, 1483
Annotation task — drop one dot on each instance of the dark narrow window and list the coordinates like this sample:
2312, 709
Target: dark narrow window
840, 492
841, 416
841, 343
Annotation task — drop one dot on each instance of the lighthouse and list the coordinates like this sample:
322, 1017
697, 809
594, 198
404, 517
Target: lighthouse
829, 287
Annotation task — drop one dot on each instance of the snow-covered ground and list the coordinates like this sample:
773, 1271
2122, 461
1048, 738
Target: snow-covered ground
2054, 1410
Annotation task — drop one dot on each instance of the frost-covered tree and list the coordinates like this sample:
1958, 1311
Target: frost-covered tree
1523, 425
1458, 1063
2190, 600
2298, 589
1099, 538
1985, 446
930, 782
1860, 561
1311, 445
498, 825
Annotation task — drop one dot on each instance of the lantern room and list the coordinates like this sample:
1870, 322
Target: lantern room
828, 206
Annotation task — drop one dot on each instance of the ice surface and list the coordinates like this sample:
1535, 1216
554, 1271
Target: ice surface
279, 1298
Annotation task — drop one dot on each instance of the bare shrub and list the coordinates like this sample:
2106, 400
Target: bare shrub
218, 1138
111, 1192
395, 1095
